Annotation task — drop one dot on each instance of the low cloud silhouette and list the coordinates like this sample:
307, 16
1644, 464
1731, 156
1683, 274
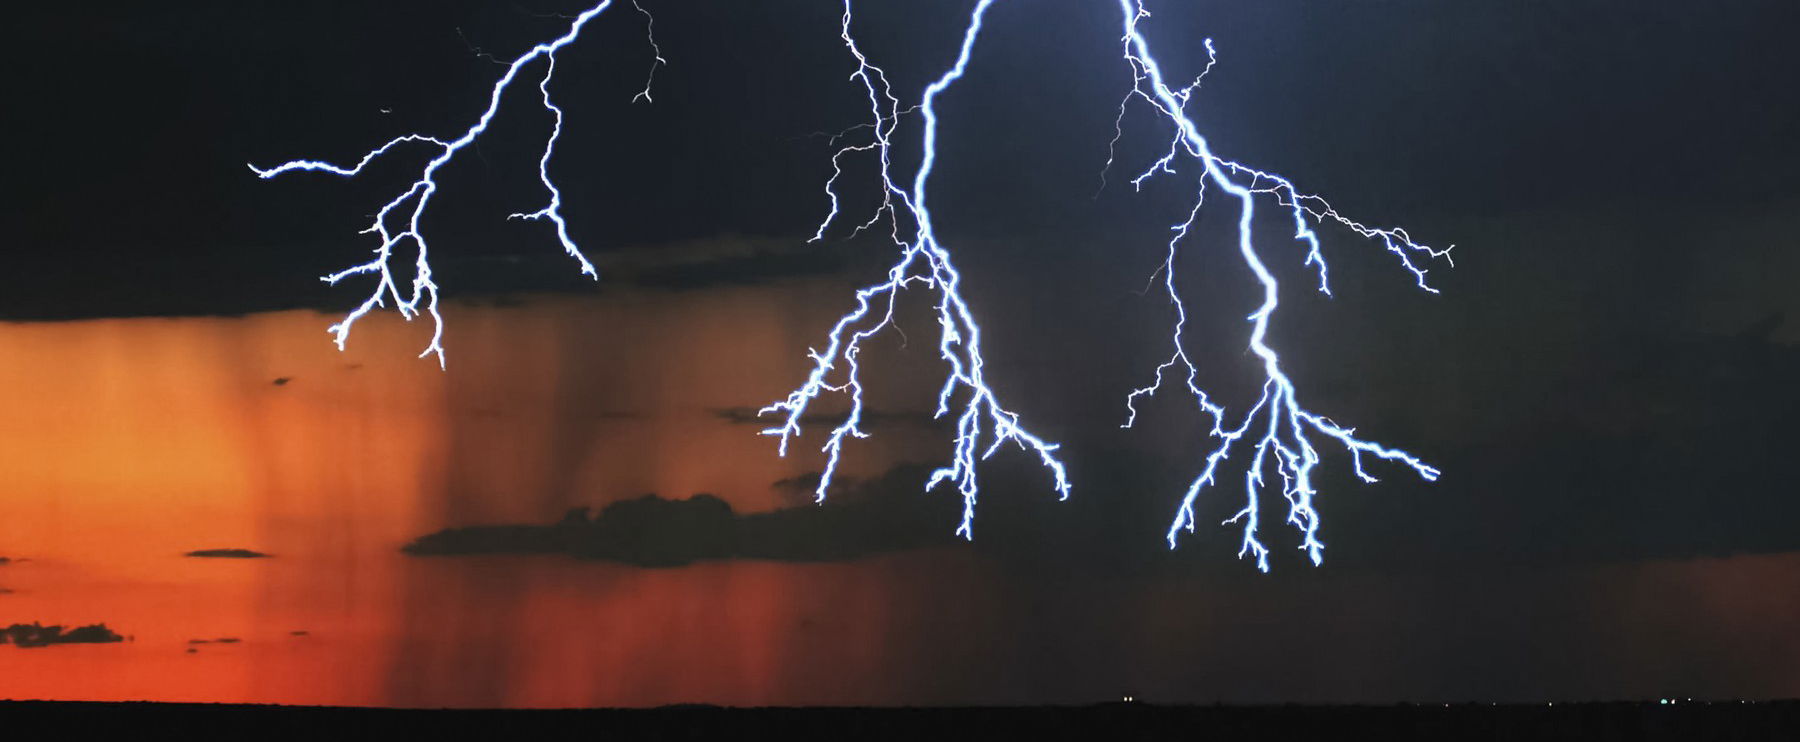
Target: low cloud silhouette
652, 531
37, 635
227, 554
804, 489
262, 282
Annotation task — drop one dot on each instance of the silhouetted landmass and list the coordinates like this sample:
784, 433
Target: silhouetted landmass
1574, 721
5, 591
228, 554
38, 635
5, 561
652, 531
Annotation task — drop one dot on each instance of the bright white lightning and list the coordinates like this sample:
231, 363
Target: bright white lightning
1277, 420
923, 261
409, 207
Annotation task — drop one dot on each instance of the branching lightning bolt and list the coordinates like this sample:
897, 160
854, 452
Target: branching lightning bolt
923, 261
1277, 422
408, 209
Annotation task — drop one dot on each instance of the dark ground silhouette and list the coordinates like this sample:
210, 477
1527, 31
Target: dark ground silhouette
1584, 721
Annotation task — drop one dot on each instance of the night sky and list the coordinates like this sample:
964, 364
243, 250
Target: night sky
1606, 379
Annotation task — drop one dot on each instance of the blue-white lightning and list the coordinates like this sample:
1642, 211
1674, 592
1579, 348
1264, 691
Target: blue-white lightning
1276, 423
399, 220
981, 423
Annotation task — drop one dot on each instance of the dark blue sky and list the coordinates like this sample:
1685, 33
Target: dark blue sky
1615, 175
131, 125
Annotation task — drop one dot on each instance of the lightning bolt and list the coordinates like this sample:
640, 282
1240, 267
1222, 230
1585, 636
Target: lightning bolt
982, 424
1277, 423
399, 221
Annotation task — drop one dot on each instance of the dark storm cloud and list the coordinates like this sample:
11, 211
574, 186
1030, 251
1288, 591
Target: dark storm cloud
1667, 449
492, 281
1651, 452
1655, 448
138, 201
162, 132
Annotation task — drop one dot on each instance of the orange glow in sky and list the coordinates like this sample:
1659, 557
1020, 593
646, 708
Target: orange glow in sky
126, 443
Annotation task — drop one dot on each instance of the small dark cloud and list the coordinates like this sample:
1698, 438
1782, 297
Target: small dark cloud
805, 482
37, 635
651, 531
803, 489
282, 381
227, 554
298, 633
